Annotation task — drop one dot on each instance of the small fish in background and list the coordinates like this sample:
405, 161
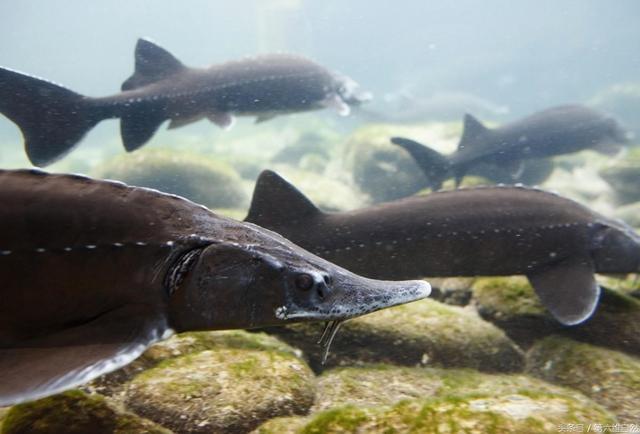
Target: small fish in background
93, 272
54, 119
555, 131
485, 231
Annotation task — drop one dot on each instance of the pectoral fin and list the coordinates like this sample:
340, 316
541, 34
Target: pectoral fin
65, 359
222, 119
568, 289
178, 122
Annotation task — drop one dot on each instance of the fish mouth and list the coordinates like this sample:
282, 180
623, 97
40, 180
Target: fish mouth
353, 303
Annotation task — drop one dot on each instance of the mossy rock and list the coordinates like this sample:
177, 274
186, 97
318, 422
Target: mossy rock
621, 100
282, 425
381, 170
309, 143
205, 181
185, 344
231, 388
623, 175
421, 333
385, 385
74, 412
629, 213
451, 290
480, 413
511, 304
610, 378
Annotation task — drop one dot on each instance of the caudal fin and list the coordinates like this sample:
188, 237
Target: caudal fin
435, 166
52, 119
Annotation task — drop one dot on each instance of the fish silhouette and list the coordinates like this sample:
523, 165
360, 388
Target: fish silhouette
93, 272
485, 231
555, 131
54, 119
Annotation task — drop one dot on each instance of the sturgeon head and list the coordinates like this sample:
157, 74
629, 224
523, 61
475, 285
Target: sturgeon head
266, 280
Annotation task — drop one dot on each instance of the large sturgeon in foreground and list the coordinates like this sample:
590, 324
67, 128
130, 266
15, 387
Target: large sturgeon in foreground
93, 272
54, 119
484, 231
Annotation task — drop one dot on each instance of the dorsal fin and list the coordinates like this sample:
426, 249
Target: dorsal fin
153, 63
472, 129
276, 202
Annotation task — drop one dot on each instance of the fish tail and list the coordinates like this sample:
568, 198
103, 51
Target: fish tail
435, 166
52, 119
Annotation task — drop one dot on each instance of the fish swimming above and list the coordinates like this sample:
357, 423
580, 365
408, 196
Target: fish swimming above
484, 231
54, 119
93, 272
555, 131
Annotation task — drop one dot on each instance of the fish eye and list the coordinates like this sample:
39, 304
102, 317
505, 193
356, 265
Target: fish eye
304, 281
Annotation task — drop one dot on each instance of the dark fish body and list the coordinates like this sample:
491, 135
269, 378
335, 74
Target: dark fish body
556, 242
555, 131
95, 271
54, 119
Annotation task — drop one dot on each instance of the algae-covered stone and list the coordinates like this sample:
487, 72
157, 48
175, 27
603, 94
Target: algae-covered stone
282, 425
482, 413
233, 387
74, 412
384, 385
624, 177
200, 179
183, 344
511, 304
381, 170
451, 290
610, 378
421, 333
622, 100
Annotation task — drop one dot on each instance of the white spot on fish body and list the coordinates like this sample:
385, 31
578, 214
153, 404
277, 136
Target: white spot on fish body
5, 252
140, 243
90, 246
40, 250
169, 243
553, 254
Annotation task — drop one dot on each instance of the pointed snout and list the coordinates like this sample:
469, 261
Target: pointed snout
345, 295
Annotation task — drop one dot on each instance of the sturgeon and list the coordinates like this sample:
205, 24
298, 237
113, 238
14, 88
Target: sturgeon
485, 231
93, 272
555, 131
54, 119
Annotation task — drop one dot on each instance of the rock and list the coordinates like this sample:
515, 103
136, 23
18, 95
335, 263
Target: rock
610, 378
629, 213
209, 182
455, 291
511, 304
282, 425
74, 412
623, 175
621, 100
310, 142
421, 333
521, 412
229, 384
381, 170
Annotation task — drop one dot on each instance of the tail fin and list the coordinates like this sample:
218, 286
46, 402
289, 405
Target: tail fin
52, 119
435, 166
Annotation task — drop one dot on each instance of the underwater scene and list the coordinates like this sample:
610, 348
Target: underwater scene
296, 216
